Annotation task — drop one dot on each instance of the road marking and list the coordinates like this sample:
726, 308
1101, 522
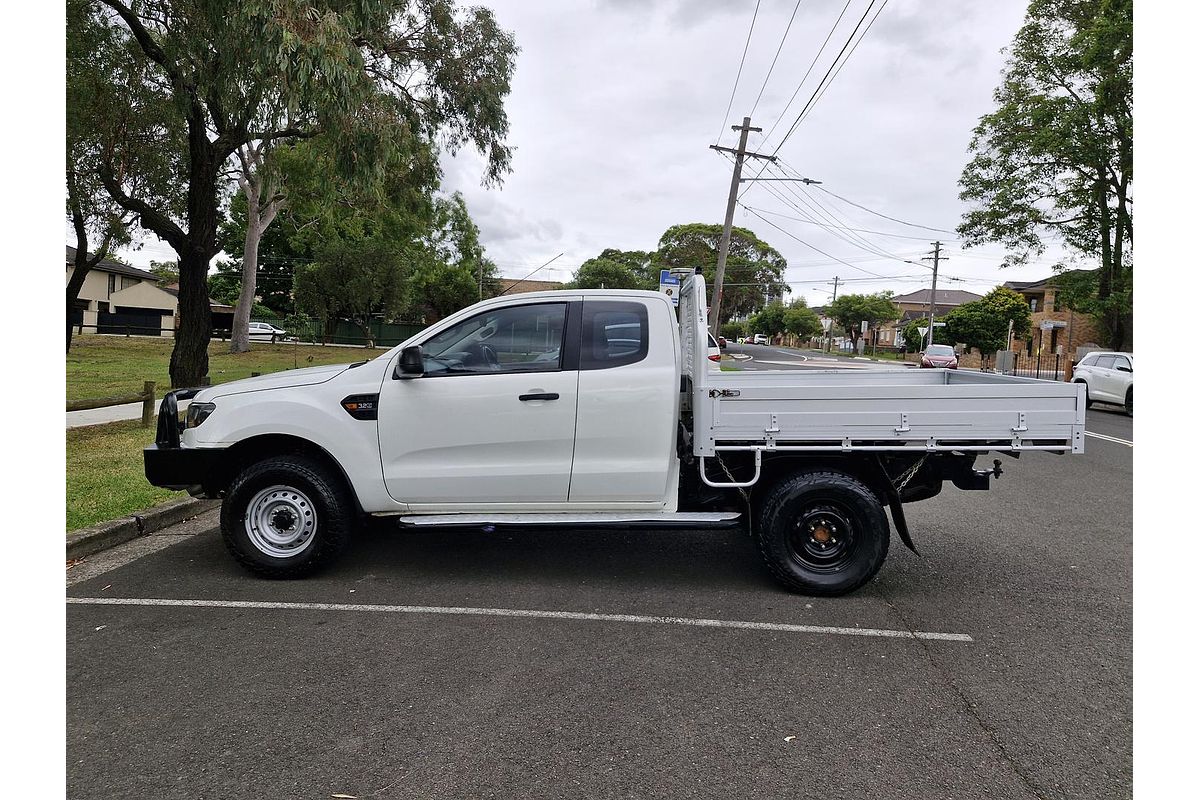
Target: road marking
518, 612
1109, 438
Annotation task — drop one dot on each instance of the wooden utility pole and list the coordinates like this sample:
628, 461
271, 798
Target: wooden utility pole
937, 255
829, 333
740, 154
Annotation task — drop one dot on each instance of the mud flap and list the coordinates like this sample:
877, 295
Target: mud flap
898, 520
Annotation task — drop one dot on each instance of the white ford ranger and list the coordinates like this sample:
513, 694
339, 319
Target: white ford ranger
595, 407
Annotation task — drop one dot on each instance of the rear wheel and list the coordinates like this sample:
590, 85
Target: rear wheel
822, 533
286, 517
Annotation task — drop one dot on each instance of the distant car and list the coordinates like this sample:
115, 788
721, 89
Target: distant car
266, 332
760, 338
939, 356
714, 353
1108, 377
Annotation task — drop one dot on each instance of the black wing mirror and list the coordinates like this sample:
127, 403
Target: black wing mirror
412, 362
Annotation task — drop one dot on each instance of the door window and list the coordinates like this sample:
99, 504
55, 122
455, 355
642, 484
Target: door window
1122, 363
1104, 362
615, 333
525, 338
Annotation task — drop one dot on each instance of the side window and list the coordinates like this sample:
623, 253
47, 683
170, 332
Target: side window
1104, 362
1121, 362
615, 333
513, 339
1088, 361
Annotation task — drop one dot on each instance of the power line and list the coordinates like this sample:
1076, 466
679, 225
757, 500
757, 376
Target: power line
778, 50
884, 216
807, 72
844, 60
745, 49
812, 98
817, 249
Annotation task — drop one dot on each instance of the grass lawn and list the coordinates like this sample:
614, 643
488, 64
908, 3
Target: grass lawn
115, 366
105, 477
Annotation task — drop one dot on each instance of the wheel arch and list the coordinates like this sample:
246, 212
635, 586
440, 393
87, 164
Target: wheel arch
263, 446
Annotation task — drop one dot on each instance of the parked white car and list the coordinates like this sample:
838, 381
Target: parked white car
714, 353
760, 338
1108, 377
266, 332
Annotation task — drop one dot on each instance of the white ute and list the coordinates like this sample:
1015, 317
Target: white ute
594, 407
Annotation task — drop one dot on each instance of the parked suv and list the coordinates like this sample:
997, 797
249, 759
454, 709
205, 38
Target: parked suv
1108, 377
760, 338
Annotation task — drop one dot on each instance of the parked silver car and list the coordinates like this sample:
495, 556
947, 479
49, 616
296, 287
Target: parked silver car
1108, 377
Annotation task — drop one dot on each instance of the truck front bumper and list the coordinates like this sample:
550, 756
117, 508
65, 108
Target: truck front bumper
182, 468
173, 467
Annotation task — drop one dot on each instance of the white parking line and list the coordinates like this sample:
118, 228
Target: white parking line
517, 612
1109, 438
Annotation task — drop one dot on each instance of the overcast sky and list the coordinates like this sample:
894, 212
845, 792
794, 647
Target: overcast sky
614, 104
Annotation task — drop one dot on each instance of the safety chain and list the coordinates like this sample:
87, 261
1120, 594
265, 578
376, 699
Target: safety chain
744, 493
909, 474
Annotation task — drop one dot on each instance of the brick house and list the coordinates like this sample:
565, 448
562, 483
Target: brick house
1053, 325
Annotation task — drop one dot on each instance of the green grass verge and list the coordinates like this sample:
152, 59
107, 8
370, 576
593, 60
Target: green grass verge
105, 477
115, 366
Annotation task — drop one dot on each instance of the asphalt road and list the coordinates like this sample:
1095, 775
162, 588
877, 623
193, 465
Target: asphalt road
174, 701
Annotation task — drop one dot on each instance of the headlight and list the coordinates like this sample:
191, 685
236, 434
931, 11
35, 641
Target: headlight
198, 412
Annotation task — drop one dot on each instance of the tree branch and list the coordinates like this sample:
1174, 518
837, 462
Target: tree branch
144, 39
152, 218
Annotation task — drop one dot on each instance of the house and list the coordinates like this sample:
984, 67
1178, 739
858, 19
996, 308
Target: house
116, 298
1055, 328
915, 306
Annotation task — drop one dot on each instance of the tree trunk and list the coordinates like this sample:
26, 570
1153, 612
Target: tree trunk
75, 284
189, 359
239, 340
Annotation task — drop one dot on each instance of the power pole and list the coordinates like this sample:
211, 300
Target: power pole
714, 320
937, 256
829, 333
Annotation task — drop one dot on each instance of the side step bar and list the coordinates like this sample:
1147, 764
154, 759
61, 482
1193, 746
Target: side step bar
622, 519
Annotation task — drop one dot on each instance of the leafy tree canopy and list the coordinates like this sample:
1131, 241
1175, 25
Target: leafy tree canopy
753, 269
983, 324
851, 310
1055, 158
373, 77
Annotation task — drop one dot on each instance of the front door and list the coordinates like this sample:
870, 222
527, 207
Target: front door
492, 420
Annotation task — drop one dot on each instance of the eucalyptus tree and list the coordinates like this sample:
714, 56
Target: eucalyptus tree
240, 73
1055, 158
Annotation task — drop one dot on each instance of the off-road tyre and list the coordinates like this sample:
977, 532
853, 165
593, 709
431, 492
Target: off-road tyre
281, 488
788, 526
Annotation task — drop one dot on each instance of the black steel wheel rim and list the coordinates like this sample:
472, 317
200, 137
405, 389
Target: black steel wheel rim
823, 538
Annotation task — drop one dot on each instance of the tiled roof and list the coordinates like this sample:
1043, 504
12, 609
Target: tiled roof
108, 265
949, 297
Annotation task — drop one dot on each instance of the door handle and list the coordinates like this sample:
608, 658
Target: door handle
539, 396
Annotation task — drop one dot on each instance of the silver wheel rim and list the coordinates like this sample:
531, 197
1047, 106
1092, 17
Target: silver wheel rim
281, 521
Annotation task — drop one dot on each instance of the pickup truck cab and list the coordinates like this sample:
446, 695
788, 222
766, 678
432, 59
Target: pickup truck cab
593, 407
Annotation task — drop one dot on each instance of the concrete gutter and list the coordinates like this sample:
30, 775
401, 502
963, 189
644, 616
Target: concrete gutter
87, 541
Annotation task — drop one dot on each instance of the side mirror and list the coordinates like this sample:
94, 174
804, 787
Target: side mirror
1125, 369
412, 362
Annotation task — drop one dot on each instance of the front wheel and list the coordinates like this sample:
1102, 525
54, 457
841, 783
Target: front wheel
286, 517
1129, 401
1087, 394
822, 533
